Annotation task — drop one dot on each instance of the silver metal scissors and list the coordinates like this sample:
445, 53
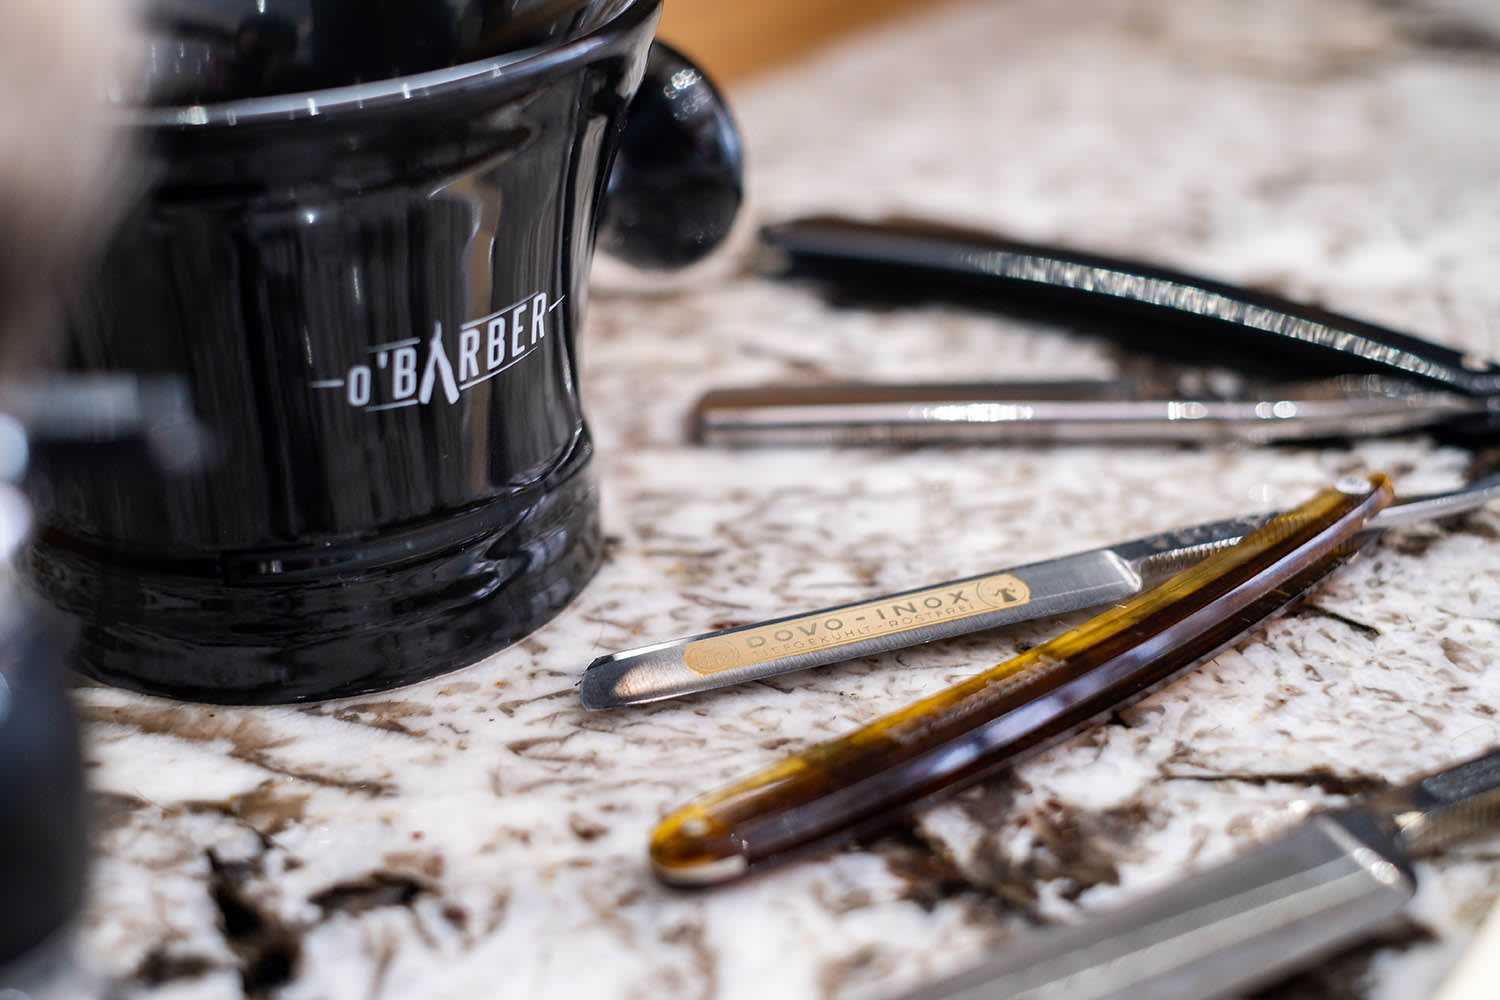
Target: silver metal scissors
944, 610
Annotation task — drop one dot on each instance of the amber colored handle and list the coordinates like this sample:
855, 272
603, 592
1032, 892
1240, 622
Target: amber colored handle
845, 786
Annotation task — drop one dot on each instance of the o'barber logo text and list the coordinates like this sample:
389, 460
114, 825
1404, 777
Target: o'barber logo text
855, 623
414, 372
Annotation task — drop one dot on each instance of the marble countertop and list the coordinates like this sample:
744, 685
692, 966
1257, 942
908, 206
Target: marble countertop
481, 835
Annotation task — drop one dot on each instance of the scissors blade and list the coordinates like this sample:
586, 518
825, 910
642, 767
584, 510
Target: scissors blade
944, 610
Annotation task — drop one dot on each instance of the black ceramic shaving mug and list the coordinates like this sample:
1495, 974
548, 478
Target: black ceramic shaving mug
373, 293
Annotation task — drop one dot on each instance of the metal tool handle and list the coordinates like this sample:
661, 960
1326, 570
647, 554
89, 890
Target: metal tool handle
1143, 304
943, 610
831, 635
1224, 930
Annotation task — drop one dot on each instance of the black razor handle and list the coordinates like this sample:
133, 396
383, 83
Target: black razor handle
1157, 310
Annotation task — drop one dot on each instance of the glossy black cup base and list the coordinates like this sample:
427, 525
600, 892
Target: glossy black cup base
336, 620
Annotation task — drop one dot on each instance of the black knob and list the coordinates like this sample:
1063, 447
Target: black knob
678, 178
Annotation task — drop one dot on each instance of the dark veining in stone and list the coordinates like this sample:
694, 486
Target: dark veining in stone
1452, 37
111, 809
1475, 522
702, 555
841, 901
931, 877
705, 961
1467, 660
806, 367
1482, 462
522, 748
383, 959
267, 949
422, 864
456, 915
160, 968
251, 739
585, 829
373, 891
1322, 778
508, 708
1412, 543
386, 723
1077, 848
1073, 849
861, 968
264, 809
1307, 609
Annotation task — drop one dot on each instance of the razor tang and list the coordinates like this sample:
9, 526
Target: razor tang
894, 621
945, 610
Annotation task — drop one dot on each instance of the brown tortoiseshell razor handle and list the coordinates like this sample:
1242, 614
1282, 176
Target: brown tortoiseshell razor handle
846, 786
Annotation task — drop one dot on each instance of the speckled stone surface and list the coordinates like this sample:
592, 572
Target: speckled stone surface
480, 835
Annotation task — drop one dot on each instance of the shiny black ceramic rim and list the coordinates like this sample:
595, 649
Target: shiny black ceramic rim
514, 68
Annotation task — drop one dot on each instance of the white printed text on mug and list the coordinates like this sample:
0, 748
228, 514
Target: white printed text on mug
413, 372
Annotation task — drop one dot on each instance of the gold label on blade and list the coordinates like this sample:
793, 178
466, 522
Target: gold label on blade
856, 623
